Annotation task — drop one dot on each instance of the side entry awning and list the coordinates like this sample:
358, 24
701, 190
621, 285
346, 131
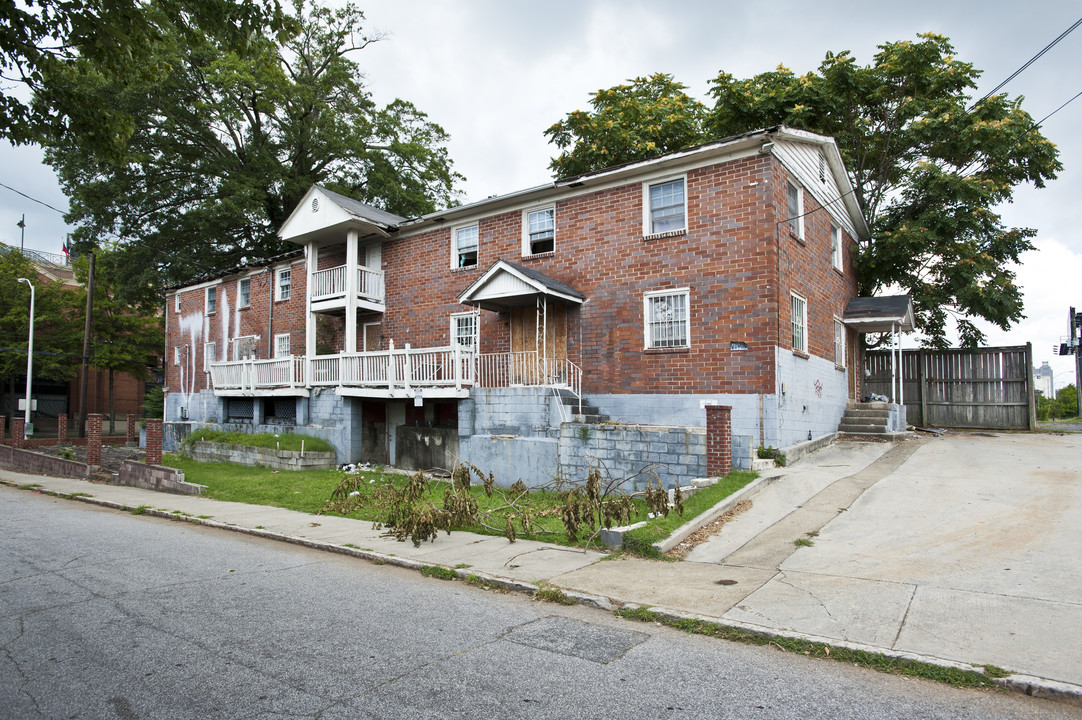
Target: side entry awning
506, 285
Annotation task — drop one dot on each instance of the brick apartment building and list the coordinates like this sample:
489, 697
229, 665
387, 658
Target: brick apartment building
495, 332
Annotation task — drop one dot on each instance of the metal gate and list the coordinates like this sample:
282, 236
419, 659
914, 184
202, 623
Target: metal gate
961, 388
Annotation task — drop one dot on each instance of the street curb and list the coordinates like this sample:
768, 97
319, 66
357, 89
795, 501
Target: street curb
1030, 685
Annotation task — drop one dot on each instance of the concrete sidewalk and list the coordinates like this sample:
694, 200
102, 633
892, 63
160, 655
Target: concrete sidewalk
957, 550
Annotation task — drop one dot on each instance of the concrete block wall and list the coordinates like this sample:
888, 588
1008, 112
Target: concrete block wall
678, 453
267, 457
534, 460
812, 396
525, 411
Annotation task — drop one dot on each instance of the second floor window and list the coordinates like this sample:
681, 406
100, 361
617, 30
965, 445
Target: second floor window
212, 300
244, 347
540, 232
796, 210
209, 353
281, 345
666, 207
282, 285
465, 246
244, 291
836, 246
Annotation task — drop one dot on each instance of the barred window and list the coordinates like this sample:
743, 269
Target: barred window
798, 320
667, 320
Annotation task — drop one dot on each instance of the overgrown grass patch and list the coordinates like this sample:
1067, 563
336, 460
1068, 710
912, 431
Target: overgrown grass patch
282, 441
640, 541
862, 658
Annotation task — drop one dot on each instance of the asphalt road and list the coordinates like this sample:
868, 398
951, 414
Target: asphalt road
108, 615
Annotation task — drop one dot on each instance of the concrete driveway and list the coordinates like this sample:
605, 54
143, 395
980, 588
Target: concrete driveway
965, 547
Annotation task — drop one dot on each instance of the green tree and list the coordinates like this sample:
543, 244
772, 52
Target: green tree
125, 338
928, 169
651, 116
1067, 400
57, 327
43, 40
227, 141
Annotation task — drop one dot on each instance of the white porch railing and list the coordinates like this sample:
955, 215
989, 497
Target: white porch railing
527, 368
287, 372
331, 283
400, 370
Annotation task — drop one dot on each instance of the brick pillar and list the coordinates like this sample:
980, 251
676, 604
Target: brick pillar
719, 440
62, 428
93, 439
18, 438
133, 432
154, 441
3, 427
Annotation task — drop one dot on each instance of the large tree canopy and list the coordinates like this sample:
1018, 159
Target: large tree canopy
43, 40
928, 169
228, 140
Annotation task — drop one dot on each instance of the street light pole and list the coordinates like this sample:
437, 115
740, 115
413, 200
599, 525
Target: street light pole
29, 352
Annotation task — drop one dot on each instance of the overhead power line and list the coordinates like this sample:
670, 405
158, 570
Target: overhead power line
1029, 62
39, 202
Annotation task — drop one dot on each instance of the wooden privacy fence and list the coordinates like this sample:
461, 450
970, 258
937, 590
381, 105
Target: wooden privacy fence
960, 388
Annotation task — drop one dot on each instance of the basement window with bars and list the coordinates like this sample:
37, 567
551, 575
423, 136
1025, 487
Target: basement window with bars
240, 410
280, 410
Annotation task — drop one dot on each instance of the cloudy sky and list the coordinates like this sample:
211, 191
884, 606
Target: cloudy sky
496, 73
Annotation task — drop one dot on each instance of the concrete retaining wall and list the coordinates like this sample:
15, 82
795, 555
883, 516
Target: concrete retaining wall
156, 477
33, 462
267, 457
677, 454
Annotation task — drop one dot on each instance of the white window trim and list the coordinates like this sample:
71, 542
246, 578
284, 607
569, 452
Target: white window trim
647, 229
235, 343
476, 315
798, 219
839, 342
527, 250
240, 296
278, 297
836, 248
803, 322
210, 355
686, 292
277, 340
176, 303
454, 244
176, 354
206, 300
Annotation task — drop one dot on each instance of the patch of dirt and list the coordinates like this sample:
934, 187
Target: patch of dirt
707, 531
111, 455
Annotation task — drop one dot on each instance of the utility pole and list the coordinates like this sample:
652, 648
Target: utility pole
1076, 343
28, 428
86, 348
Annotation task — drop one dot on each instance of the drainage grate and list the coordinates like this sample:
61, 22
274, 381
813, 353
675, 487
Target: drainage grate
575, 638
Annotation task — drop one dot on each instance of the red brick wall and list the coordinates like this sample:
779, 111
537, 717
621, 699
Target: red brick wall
735, 258
254, 319
726, 259
805, 268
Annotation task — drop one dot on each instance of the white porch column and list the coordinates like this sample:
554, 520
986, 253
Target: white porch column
351, 291
309, 317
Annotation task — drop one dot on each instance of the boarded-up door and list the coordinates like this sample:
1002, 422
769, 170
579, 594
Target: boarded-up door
526, 366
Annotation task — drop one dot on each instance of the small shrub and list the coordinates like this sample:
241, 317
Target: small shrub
440, 573
553, 595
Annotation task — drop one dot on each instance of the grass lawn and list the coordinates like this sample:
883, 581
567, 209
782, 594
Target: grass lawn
282, 441
310, 491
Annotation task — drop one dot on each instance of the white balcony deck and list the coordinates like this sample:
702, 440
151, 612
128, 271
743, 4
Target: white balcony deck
328, 290
443, 372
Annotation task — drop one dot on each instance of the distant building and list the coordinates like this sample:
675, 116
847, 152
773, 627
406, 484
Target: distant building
1042, 380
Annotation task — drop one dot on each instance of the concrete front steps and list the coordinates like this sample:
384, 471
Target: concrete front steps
587, 413
869, 420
